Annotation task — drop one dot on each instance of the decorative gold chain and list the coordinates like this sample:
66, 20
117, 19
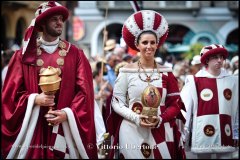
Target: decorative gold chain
148, 79
62, 53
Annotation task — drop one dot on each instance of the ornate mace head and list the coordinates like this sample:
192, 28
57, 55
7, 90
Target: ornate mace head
49, 80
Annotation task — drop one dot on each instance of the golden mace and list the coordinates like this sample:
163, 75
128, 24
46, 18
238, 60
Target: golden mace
49, 83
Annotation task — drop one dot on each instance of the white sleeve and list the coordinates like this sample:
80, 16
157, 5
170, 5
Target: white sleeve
119, 99
187, 99
21, 145
99, 124
235, 111
236, 125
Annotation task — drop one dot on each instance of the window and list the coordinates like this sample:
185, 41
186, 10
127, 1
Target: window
204, 40
175, 3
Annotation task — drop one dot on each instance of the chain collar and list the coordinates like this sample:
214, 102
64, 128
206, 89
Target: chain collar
148, 79
62, 53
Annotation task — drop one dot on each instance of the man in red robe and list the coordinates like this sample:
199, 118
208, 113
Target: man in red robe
25, 131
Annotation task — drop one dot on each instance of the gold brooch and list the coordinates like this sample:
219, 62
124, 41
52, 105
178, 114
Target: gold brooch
60, 61
40, 62
137, 107
146, 150
227, 94
62, 52
209, 130
206, 94
62, 45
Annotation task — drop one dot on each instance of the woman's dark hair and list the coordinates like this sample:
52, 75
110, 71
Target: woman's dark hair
95, 73
99, 65
146, 32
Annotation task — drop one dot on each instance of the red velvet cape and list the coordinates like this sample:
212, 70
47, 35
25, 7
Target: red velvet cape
76, 92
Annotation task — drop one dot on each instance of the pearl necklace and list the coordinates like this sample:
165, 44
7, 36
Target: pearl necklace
148, 79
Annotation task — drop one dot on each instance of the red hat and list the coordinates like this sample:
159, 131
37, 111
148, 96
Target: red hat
44, 11
212, 49
48, 9
145, 20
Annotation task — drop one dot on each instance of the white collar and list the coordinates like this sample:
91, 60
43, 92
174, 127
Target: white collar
53, 43
205, 73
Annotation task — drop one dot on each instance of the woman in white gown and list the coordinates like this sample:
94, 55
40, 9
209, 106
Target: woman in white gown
146, 100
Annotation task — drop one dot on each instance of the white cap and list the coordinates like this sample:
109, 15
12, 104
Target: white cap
234, 60
158, 60
196, 60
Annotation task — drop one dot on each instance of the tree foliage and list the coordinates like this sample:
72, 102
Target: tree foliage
194, 50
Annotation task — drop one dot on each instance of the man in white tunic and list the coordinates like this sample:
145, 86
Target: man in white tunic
211, 101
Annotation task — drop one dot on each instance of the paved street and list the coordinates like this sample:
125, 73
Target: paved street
190, 155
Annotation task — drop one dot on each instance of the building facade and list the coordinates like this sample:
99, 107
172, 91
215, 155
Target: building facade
189, 22
16, 16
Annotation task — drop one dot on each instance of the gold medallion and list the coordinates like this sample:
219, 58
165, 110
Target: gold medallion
60, 61
40, 62
206, 94
137, 107
62, 52
227, 94
62, 45
146, 150
209, 130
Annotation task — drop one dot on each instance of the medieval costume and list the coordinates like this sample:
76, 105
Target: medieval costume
139, 90
25, 131
138, 142
212, 108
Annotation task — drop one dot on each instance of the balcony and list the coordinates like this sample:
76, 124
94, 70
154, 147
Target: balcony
165, 5
114, 5
233, 5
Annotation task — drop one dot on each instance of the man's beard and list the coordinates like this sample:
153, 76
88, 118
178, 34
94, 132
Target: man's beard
52, 32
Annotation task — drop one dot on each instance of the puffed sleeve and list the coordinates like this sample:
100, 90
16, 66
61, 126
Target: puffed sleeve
119, 99
173, 95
